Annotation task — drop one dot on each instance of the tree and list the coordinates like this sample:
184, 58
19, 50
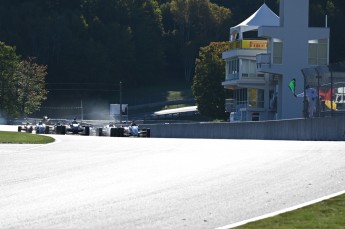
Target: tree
22, 83
31, 91
207, 83
146, 24
9, 62
193, 24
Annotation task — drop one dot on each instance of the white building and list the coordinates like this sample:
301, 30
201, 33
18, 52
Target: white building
259, 70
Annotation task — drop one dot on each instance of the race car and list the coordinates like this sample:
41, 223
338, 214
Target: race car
44, 126
58, 128
106, 130
41, 128
133, 130
26, 127
75, 127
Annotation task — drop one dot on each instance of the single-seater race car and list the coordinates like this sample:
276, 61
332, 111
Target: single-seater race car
106, 130
131, 130
40, 128
134, 130
44, 126
26, 127
75, 127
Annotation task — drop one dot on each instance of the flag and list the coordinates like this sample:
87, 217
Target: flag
292, 86
331, 105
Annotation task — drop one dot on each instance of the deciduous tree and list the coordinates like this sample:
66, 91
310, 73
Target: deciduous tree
22, 83
31, 91
207, 83
9, 62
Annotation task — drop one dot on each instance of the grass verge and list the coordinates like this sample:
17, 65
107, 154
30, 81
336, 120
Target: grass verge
325, 214
24, 138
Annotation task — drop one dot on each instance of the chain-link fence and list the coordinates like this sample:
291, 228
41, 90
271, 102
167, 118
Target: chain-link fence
324, 90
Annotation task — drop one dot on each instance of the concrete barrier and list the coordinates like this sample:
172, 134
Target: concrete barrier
324, 129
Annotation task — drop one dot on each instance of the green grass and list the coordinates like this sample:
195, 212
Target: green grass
178, 95
326, 214
24, 138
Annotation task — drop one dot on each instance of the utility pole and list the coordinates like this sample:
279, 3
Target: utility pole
120, 102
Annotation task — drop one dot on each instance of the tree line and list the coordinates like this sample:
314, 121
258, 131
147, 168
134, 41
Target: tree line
140, 43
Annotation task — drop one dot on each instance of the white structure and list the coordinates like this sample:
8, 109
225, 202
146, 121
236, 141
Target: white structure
259, 71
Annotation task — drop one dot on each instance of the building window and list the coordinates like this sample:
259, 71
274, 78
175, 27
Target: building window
248, 68
249, 97
233, 66
240, 96
277, 51
256, 97
233, 69
318, 52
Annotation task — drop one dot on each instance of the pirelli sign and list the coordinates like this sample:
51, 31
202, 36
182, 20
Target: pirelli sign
248, 44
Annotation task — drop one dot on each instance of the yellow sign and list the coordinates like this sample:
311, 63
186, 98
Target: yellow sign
248, 44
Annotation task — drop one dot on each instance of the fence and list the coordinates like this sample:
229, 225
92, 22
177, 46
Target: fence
324, 90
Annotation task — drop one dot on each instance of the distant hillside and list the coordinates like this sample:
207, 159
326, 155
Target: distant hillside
144, 44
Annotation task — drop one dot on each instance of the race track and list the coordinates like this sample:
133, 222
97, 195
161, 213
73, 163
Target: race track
103, 182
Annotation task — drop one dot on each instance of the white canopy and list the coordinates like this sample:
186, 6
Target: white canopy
264, 16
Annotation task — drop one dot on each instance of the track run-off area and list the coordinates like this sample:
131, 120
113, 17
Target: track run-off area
104, 182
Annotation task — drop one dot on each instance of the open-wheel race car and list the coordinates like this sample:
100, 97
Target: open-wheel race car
122, 130
41, 128
133, 130
75, 127
26, 127
78, 128
44, 126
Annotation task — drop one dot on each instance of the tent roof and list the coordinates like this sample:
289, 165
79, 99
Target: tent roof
264, 16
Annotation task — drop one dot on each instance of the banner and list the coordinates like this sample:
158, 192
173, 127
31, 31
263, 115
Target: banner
248, 44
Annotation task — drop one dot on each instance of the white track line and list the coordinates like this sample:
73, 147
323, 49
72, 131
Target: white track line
281, 211
56, 141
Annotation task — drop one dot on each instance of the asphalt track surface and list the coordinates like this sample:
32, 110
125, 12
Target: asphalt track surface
103, 182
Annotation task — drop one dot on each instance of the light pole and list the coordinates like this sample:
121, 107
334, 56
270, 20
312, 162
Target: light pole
120, 102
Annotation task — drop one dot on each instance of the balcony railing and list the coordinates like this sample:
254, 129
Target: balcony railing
263, 58
244, 76
233, 105
250, 104
231, 77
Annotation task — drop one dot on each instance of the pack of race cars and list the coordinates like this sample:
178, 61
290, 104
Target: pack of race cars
47, 126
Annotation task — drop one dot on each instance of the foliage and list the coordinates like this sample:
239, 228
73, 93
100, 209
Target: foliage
207, 84
9, 62
31, 90
140, 43
22, 83
190, 24
244, 8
